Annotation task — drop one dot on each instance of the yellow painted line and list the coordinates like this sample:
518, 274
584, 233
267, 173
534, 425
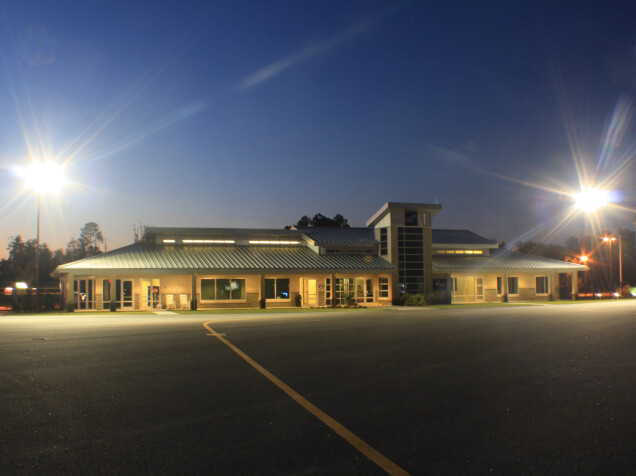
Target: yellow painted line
371, 453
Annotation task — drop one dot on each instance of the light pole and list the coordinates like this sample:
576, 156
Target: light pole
42, 178
610, 240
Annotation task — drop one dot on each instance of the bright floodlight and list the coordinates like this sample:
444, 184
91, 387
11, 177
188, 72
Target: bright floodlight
590, 199
44, 177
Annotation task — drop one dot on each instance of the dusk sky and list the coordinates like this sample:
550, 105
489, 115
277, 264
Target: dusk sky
252, 114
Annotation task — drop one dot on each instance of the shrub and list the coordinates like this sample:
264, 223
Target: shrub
349, 300
419, 299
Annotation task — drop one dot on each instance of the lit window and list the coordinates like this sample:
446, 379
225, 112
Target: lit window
208, 241
384, 287
269, 242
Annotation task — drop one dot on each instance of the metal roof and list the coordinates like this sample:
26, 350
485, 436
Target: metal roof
152, 231
341, 236
173, 258
504, 261
459, 237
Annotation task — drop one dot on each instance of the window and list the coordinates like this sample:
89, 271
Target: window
384, 287
383, 242
440, 284
84, 295
344, 287
513, 285
542, 285
499, 285
459, 252
106, 290
410, 218
328, 291
222, 289
277, 288
207, 290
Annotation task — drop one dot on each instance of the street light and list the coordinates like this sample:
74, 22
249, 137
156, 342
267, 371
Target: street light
42, 178
590, 199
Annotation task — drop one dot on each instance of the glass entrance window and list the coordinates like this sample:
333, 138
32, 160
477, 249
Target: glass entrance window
467, 289
84, 293
123, 294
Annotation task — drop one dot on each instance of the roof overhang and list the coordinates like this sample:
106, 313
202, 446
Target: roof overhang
432, 208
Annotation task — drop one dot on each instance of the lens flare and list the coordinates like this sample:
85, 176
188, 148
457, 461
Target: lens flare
590, 199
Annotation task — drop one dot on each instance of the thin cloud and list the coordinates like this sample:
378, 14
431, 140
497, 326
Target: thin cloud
317, 48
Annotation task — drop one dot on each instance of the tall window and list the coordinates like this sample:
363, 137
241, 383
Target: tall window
542, 285
106, 294
344, 287
383, 242
384, 287
222, 289
277, 288
513, 285
328, 291
410, 247
499, 285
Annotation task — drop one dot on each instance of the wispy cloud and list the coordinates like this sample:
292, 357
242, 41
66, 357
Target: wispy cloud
314, 49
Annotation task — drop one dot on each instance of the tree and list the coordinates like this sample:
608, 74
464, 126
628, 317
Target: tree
319, 220
86, 245
20, 265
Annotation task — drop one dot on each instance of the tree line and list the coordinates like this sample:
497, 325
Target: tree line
19, 266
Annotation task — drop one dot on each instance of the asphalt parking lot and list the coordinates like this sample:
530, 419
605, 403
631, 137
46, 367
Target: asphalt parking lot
511, 390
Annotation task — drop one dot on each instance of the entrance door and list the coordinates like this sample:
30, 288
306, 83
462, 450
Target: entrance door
123, 293
467, 289
83, 290
150, 294
364, 290
311, 298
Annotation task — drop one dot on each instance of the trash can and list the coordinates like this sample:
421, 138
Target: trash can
298, 300
262, 303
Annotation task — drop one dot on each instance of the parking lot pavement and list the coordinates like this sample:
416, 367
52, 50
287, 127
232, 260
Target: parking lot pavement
507, 390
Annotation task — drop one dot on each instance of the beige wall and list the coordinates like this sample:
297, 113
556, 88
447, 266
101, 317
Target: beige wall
527, 286
181, 285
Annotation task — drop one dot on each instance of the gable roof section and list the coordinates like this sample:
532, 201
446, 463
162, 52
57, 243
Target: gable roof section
143, 257
506, 261
341, 236
459, 237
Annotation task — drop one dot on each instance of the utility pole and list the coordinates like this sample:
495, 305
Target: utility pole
620, 256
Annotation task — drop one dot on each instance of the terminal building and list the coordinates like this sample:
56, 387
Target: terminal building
397, 253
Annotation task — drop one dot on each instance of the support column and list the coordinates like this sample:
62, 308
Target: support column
113, 294
333, 290
70, 295
193, 301
505, 288
261, 295
554, 286
575, 285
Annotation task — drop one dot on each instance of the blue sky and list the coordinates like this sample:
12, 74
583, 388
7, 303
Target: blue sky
252, 114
